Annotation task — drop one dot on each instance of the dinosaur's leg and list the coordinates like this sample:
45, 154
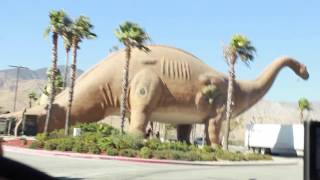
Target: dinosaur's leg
183, 132
213, 127
139, 121
145, 91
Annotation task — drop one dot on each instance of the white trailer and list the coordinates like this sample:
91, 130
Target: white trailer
275, 138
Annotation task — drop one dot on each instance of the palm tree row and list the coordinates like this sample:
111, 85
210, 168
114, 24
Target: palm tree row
130, 34
72, 34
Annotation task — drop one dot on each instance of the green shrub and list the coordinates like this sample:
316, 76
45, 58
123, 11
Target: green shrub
167, 154
107, 130
145, 152
126, 141
160, 154
41, 137
101, 137
179, 146
153, 143
36, 145
193, 148
112, 152
105, 143
89, 137
192, 156
101, 128
51, 144
230, 156
65, 144
208, 149
58, 133
128, 152
208, 157
88, 127
93, 148
79, 147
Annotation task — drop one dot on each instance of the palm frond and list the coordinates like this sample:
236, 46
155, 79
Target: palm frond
82, 28
243, 49
47, 32
131, 34
59, 20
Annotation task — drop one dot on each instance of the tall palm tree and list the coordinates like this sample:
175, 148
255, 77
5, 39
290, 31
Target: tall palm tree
58, 23
304, 104
241, 47
81, 29
67, 41
131, 35
32, 97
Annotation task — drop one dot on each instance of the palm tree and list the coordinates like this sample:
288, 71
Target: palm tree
67, 41
58, 23
304, 104
241, 47
32, 97
131, 35
81, 29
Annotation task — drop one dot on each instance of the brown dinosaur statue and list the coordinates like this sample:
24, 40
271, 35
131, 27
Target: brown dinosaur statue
165, 85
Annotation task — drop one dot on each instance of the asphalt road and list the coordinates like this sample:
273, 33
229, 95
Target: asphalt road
76, 168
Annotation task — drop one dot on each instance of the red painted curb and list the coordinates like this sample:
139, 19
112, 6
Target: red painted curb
139, 160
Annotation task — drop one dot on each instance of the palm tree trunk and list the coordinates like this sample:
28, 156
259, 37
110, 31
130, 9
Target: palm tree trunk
301, 116
125, 87
66, 69
229, 105
73, 79
53, 77
30, 103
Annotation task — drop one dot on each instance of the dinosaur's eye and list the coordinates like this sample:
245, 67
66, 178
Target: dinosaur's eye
142, 91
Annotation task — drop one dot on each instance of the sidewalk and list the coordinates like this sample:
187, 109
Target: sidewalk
275, 161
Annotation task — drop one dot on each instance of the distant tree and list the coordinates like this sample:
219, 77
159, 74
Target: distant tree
113, 49
81, 29
240, 46
58, 83
132, 36
303, 104
32, 97
58, 23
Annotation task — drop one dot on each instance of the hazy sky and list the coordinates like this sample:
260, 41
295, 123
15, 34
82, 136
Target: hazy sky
201, 27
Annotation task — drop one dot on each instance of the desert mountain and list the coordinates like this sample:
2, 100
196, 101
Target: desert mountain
29, 80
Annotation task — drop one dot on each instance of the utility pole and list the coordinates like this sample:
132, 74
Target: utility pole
17, 82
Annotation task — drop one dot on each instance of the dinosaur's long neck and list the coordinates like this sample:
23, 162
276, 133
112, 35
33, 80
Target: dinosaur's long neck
247, 93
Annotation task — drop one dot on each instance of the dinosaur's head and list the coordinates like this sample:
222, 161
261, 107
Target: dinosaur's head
303, 72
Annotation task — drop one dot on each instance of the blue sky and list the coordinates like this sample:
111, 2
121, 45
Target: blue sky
201, 27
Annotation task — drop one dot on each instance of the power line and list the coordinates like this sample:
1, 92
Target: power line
17, 83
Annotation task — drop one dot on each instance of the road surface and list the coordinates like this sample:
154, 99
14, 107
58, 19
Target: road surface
76, 168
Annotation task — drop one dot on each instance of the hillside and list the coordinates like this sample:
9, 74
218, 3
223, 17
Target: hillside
272, 112
29, 80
